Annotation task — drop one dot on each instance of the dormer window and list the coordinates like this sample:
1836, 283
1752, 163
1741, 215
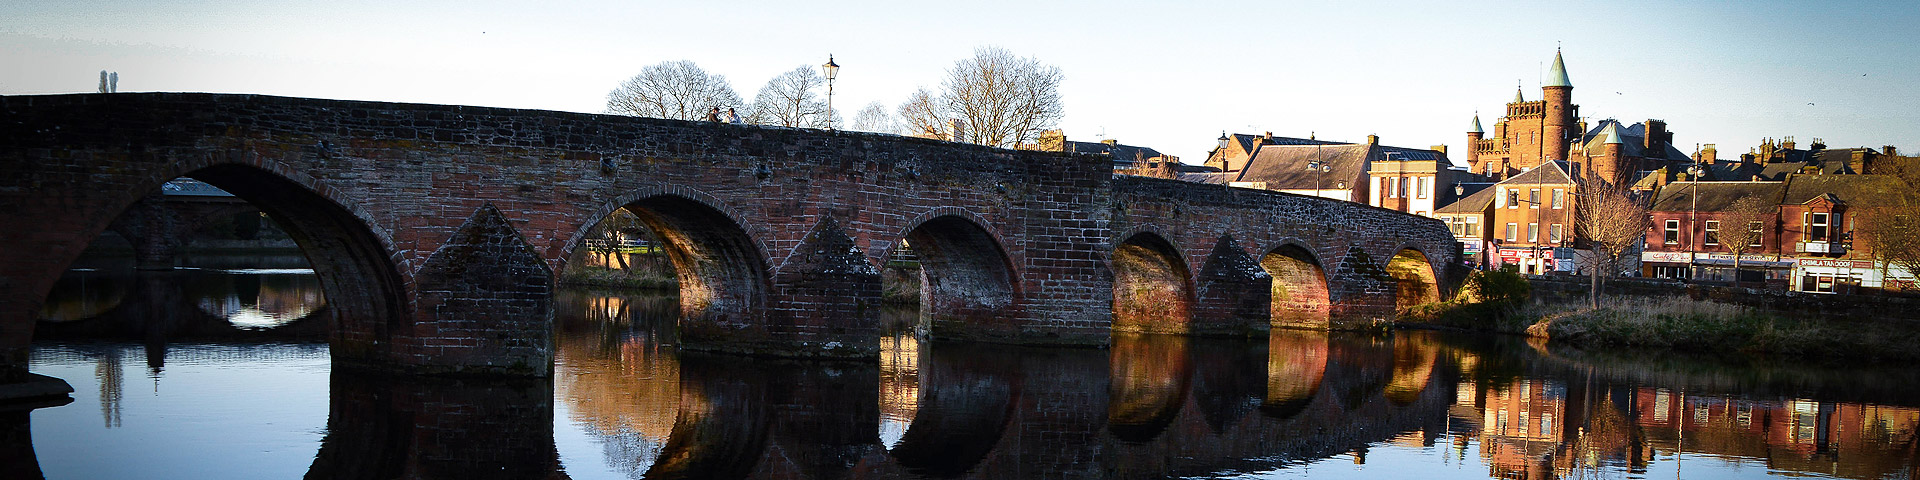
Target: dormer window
1816, 226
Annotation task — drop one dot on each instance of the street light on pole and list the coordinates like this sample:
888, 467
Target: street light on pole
1318, 167
1693, 177
832, 70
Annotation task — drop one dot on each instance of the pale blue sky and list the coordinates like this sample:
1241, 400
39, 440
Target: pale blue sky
1161, 74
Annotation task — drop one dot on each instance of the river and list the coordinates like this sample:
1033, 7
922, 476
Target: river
220, 371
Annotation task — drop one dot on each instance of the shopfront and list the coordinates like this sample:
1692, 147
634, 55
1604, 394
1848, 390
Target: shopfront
1826, 275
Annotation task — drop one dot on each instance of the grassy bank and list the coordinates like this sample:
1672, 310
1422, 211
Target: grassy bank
1674, 322
610, 277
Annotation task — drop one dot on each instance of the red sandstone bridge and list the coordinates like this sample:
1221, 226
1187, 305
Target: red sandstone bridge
436, 231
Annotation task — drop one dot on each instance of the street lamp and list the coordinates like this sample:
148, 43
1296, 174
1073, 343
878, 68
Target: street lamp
1693, 179
1318, 167
832, 70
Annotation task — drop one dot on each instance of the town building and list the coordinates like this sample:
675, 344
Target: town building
1806, 232
1411, 180
1533, 132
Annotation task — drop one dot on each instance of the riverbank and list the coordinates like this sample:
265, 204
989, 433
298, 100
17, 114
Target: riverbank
1676, 321
613, 277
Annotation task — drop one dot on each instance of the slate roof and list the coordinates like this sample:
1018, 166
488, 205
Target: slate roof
1284, 167
1713, 196
1877, 190
1557, 77
1823, 161
1476, 202
1633, 140
1120, 154
1550, 173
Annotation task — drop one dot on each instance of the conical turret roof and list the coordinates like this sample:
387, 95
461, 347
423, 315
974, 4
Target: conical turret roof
1476, 124
1558, 76
1612, 133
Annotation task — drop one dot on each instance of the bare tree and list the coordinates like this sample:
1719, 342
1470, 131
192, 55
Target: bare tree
1005, 100
792, 100
874, 118
1743, 224
674, 90
1613, 222
921, 115
1890, 233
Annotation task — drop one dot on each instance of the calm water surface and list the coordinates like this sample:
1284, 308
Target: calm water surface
223, 373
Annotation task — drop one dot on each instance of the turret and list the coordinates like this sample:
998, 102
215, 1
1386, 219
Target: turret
1557, 93
1474, 133
1608, 167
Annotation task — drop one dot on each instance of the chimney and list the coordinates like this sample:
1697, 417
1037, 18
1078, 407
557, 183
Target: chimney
1890, 151
1656, 134
1441, 149
1708, 153
1786, 143
1373, 139
1858, 161
1111, 142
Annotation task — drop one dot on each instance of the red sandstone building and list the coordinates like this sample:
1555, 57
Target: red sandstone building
1807, 240
1533, 132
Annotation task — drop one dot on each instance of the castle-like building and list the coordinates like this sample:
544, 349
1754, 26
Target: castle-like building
1550, 129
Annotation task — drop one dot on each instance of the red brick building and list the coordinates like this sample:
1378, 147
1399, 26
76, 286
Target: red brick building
1806, 242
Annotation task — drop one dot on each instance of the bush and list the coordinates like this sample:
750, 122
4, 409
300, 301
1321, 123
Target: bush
1496, 287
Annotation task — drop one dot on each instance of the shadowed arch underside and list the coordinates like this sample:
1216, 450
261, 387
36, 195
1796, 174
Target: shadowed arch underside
1300, 297
1152, 288
1414, 279
722, 277
352, 264
967, 288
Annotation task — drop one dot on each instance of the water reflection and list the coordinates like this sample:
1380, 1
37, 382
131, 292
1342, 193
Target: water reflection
625, 403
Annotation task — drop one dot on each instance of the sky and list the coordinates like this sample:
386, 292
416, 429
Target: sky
1168, 75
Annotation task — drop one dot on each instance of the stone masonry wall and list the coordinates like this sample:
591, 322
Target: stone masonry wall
1352, 242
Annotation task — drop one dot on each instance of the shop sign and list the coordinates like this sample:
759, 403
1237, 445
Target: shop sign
1828, 262
1668, 257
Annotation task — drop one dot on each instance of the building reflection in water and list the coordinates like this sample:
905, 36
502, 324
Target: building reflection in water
1149, 406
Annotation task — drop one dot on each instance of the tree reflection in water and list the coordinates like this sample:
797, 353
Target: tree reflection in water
1150, 406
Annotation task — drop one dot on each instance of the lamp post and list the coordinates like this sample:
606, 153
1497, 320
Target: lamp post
1318, 167
1693, 177
832, 70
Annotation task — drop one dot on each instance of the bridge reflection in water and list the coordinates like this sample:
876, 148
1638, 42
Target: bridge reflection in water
624, 403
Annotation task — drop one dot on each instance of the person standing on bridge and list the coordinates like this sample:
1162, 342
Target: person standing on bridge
713, 115
733, 118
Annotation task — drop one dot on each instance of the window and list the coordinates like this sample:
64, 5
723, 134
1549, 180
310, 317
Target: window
1386, 186
1559, 198
1816, 227
1553, 234
1755, 229
1473, 226
1400, 185
1713, 232
1533, 232
1513, 198
1673, 232
1513, 231
1425, 187
1533, 198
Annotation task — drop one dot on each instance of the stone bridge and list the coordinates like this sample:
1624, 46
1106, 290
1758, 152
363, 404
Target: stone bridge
437, 231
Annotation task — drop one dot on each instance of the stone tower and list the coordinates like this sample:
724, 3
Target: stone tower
1474, 133
1557, 93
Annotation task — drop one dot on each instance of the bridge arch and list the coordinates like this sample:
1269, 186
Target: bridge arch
720, 266
1414, 278
968, 287
1301, 297
1153, 289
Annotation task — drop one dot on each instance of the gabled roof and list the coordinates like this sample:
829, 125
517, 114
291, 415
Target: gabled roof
1474, 203
1878, 190
1823, 162
1284, 167
1713, 196
1550, 173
